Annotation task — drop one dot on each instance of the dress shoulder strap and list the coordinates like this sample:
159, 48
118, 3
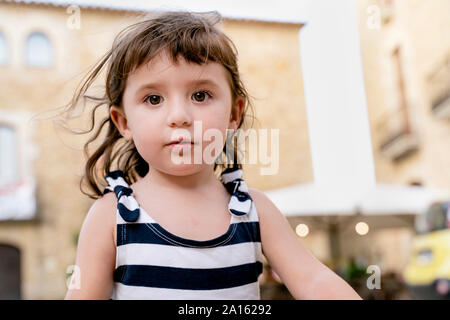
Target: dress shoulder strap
240, 201
126, 204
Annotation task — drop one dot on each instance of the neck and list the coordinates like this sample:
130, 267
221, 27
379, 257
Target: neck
202, 179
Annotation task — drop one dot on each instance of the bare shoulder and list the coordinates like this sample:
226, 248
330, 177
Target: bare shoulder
102, 214
105, 205
272, 222
96, 251
257, 195
265, 207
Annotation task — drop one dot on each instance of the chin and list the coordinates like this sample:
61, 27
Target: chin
183, 169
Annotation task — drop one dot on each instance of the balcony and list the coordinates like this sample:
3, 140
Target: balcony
397, 140
441, 107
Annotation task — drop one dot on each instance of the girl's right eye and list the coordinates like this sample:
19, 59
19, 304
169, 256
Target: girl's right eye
153, 99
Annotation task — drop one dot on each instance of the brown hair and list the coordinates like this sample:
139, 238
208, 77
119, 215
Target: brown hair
191, 35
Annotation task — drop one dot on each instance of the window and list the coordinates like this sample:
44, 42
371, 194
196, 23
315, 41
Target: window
398, 139
439, 88
8, 156
400, 86
437, 217
38, 51
4, 55
17, 183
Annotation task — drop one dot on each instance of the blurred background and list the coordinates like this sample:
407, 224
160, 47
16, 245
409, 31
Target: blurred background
363, 178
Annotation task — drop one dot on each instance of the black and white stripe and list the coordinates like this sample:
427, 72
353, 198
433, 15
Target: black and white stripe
240, 202
152, 263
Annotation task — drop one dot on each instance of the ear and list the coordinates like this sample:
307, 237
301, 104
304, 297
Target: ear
120, 121
236, 112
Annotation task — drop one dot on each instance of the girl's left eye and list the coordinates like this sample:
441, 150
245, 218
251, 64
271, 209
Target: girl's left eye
201, 96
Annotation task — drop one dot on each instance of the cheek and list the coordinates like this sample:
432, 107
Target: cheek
147, 139
218, 120
218, 116
214, 129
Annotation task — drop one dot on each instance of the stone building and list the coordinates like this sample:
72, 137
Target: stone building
405, 48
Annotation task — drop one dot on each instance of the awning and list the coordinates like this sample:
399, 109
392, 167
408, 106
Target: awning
381, 199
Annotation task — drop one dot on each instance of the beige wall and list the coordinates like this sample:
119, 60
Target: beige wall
274, 80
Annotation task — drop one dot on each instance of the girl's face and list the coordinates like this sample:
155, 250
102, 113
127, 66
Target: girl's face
162, 97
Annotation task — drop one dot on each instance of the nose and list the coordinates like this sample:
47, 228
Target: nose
179, 114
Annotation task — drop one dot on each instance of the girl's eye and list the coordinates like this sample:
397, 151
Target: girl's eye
153, 99
201, 96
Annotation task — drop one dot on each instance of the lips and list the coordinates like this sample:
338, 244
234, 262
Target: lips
179, 141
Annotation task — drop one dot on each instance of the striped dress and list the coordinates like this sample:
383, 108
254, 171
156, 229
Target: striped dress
152, 263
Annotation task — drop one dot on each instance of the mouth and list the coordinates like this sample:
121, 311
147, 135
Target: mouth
179, 142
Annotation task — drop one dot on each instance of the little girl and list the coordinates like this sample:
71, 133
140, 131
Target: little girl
165, 229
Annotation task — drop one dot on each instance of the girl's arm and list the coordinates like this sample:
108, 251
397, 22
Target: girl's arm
303, 274
96, 252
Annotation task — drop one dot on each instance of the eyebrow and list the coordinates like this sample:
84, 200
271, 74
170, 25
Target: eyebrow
198, 82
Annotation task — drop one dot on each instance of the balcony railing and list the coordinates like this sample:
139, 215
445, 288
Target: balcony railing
397, 140
441, 107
